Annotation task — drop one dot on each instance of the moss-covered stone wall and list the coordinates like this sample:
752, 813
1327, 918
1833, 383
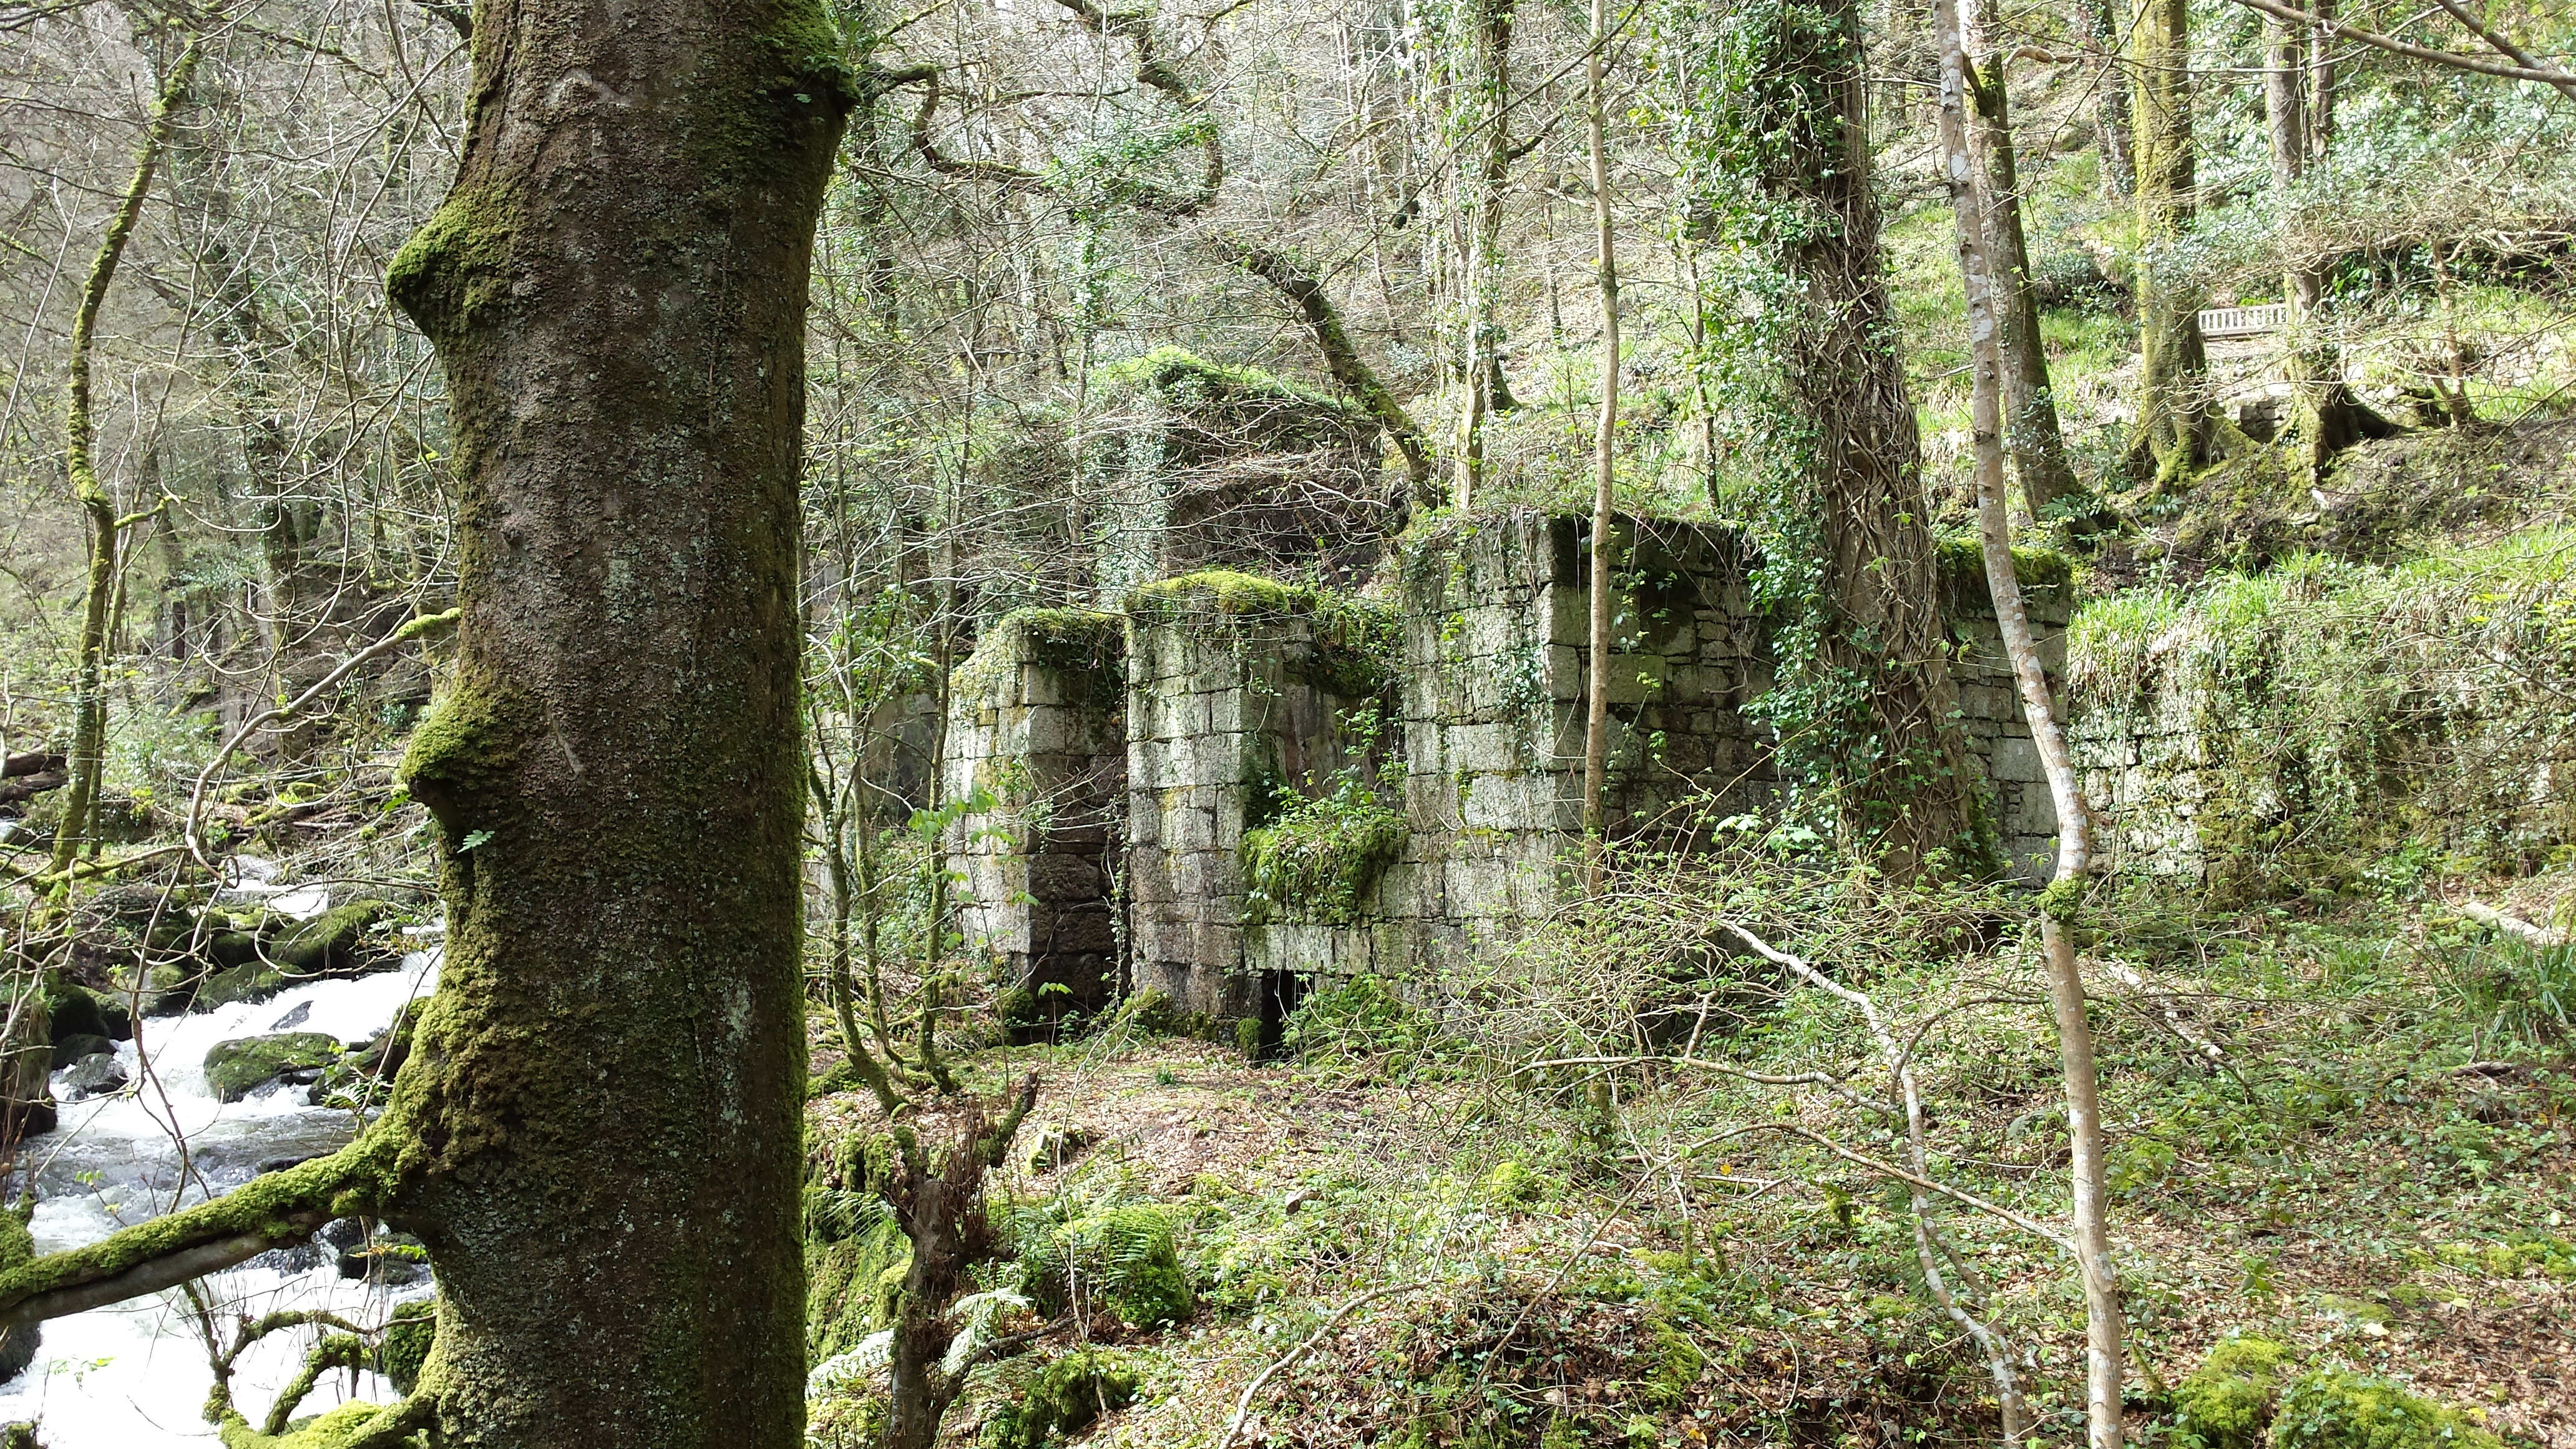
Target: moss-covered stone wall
1037, 723
1323, 785
2309, 726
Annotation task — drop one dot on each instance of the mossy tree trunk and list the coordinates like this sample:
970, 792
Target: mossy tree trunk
2031, 430
1484, 116
612, 1077
97, 505
598, 1130
2174, 426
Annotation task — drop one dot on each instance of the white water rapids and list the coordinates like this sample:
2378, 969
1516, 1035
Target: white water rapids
135, 1376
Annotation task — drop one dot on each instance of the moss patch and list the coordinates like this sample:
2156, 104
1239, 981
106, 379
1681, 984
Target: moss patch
1318, 860
2333, 1409
1064, 1396
2227, 1401
241, 1066
1191, 381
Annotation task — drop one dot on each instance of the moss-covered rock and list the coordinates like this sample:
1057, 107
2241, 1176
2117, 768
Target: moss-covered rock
236, 1068
2227, 1401
407, 1340
1066, 1395
272, 953
2327, 1408
75, 1010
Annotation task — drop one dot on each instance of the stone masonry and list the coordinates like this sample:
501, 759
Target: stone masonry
1232, 688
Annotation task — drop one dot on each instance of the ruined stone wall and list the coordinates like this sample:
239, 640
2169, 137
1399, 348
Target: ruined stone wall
1037, 722
1242, 694
1236, 706
2306, 728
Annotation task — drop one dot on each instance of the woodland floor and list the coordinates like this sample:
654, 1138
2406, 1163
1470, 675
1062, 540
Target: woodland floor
2377, 1177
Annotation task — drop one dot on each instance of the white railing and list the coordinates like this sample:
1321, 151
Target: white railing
2244, 321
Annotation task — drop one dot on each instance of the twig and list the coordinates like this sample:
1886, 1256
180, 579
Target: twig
1243, 1405
2546, 75
197, 795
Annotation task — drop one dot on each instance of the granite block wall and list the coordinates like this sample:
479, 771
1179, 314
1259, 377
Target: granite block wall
1037, 722
1229, 697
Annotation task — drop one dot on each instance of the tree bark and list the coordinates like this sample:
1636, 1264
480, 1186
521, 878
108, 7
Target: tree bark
1486, 87
2031, 429
598, 1132
98, 509
2174, 427
1903, 780
608, 1089
2104, 1325
1596, 718
2099, 25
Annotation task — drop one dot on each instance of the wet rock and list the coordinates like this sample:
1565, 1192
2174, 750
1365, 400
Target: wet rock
20, 1120
343, 1234
236, 1068
251, 981
18, 1349
302, 1013
70, 1049
75, 1010
99, 1074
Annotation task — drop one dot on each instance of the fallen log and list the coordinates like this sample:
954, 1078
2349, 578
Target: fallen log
19, 788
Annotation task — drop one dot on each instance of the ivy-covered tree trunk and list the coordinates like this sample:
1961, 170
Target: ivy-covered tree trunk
1877, 699
2174, 426
598, 1130
1482, 102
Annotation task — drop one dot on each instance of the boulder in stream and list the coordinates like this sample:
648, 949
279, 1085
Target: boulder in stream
71, 1049
17, 1345
99, 1074
237, 1068
278, 952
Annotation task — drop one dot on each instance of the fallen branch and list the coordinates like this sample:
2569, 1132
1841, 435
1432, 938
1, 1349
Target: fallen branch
274, 1210
2514, 926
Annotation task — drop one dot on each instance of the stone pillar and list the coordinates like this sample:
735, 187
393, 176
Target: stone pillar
1037, 722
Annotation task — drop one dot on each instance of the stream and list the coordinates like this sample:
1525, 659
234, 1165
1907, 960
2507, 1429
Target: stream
135, 1376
